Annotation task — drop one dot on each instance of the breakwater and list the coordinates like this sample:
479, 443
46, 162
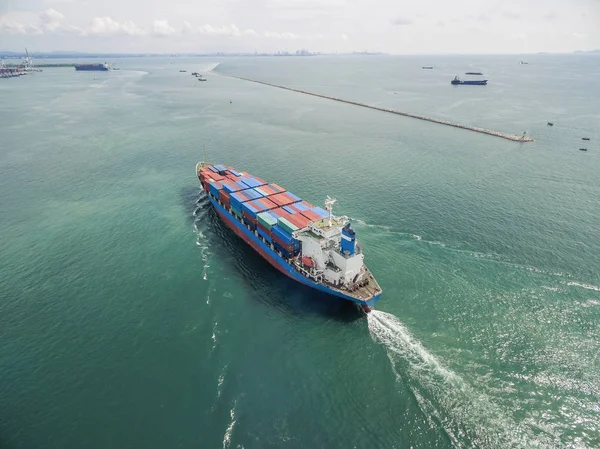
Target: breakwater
513, 137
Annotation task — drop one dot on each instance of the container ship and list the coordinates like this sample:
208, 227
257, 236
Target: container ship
306, 243
95, 67
457, 81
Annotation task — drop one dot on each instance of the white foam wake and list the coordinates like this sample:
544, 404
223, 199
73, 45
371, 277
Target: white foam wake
229, 431
586, 286
467, 415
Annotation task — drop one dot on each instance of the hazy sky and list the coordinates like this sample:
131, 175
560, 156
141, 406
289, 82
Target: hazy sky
393, 26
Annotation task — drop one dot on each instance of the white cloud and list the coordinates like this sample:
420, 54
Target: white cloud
161, 28
285, 36
440, 24
226, 30
106, 26
10, 26
551, 16
51, 20
579, 35
402, 21
344, 37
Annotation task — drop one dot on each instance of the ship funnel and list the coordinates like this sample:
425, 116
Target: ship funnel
348, 240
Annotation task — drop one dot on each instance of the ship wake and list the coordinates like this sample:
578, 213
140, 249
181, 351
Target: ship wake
465, 414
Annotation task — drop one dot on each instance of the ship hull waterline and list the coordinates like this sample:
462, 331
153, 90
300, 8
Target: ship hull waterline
279, 263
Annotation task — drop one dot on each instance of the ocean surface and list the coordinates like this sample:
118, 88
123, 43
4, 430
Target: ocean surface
131, 317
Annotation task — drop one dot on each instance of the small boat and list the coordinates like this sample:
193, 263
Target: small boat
195, 74
583, 149
183, 70
550, 124
473, 73
200, 78
427, 67
585, 138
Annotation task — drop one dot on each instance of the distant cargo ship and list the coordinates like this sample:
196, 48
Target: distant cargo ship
457, 81
473, 73
306, 243
92, 67
427, 67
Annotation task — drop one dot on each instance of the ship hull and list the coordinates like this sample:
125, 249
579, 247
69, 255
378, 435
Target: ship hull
279, 262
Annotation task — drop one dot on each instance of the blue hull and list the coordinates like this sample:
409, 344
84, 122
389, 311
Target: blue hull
275, 259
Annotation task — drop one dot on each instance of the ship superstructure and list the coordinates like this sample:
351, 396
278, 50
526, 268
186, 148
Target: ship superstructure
307, 243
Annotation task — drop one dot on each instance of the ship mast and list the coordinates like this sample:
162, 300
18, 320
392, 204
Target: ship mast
329, 202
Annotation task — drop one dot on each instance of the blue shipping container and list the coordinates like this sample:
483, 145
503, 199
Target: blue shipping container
253, 194
266, 236
320, 212
301, 207
241, 185
249, 209
294, 197
211, 168
282, 235
289, 209
215, 187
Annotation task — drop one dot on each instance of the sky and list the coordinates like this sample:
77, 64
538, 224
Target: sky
390, 26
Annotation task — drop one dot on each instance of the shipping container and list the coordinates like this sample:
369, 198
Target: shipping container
248, 208
277, 188
268, 204
294, 197
289, 210
232, 170
266, 219
264, 234
287, 225
236, 212
249, 221
299, 220
311, 215
231, 186
266, 229
320, 212
224, 198
214, 188
241, 185
221, 169
212, 168
253, 193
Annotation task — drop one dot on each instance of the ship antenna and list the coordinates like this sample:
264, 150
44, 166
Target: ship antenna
329, 202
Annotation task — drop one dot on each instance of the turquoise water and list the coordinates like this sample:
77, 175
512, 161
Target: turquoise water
131, 317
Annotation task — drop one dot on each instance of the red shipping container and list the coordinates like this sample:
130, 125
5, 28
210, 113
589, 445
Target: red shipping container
311, 215
224, 197
267, 203
277, 199
307, 204
264, 228
277, 188
249, 217
268, 190
297, 221
262, 182
289, 248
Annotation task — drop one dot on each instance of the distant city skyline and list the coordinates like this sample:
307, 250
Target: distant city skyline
325, 26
